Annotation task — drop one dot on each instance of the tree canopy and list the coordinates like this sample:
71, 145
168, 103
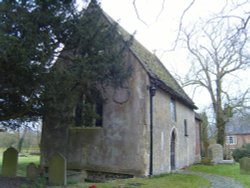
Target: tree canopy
35, 34
30, 33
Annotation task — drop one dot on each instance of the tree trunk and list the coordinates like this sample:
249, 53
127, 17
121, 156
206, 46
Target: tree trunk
220, 128
54, 137
220, 123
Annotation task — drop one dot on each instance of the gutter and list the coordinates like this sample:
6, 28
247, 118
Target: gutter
152, 90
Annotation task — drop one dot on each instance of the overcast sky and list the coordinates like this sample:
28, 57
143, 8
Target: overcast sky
162, 17
157, 28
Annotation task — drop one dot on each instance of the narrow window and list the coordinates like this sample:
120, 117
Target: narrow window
173, 109
88, 114
185, 128
99, 112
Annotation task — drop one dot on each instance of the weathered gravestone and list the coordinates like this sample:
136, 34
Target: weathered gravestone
57, 170
9, 164
245, 165
215, 153
32, 171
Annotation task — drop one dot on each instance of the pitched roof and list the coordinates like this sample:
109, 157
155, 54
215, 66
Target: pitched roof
156, 70
238, 125
197, 116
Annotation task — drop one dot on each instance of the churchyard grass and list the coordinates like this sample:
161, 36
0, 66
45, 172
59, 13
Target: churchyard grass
169, 180
172, 180
23, 161
229, 170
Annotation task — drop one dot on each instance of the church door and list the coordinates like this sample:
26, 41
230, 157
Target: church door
172, 151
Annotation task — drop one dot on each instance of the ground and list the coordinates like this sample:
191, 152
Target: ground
217, 181
13, 182
202, 176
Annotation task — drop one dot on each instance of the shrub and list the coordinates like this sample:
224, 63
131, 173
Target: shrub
241, 152
206, 161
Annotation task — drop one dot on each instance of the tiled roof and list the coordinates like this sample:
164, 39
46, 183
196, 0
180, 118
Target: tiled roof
238, 125
156, 70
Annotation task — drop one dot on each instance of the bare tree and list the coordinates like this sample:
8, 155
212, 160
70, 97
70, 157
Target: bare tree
220, 52
163, 6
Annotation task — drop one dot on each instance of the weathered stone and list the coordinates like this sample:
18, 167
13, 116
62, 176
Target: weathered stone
121, 95
76, 176
57, 170
228, 162
9, 165
245, 165
121, 145
215, 153
32, 171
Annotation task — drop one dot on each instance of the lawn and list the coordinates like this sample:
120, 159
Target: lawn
163, 181
169, 180
23, 161
232, 171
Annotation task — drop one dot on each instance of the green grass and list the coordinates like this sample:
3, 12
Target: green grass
169, 180
163, 181
22, 163
227, 170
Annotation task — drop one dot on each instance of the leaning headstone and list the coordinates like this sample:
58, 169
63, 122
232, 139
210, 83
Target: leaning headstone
9, 164
57, 170
245, 165
32, 171
215, 153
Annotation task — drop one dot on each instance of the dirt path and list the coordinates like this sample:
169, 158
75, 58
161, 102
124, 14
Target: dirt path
216, 180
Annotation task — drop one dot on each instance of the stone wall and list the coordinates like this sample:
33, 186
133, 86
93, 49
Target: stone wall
104, 176
163, 127
121, 144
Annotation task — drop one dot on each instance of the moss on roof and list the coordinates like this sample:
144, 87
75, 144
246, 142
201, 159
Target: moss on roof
154, 67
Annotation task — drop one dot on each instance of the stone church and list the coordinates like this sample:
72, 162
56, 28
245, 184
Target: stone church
147, 128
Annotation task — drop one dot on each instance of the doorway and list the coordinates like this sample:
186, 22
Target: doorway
172, 150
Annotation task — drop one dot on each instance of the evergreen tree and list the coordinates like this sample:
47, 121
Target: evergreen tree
91, 60
204, 134
32, 33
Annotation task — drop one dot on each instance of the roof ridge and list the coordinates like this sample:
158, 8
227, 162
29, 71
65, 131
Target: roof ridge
154, 66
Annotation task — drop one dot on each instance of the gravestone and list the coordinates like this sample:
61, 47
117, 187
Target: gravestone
9, 164
215, 153
32, 171
245, 165
57, 170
